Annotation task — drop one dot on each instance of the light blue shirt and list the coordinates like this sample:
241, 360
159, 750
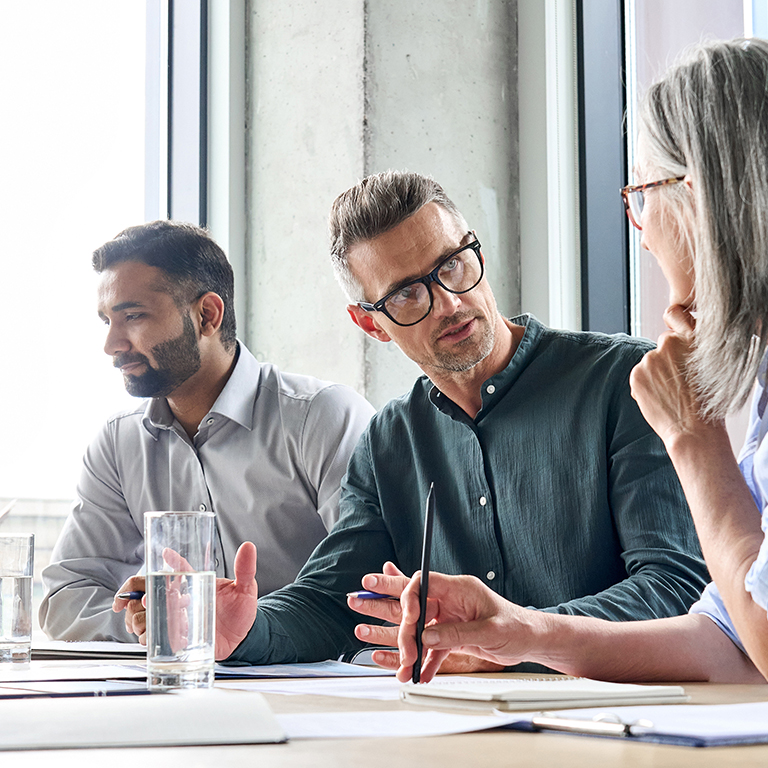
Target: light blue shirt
753, 462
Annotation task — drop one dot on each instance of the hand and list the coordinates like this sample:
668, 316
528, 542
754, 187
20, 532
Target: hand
660, 383
135, 610
236, 602
392, 581
463, 616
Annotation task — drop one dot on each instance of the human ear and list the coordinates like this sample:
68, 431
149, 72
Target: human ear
210, 312
364, 320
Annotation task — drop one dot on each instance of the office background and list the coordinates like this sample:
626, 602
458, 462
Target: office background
250, 116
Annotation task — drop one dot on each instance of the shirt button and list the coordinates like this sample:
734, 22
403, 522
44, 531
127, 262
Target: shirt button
210, 421
490, 389
491, 575
203, 507
483, 501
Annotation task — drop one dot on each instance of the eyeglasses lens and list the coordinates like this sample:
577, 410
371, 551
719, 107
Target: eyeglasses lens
458, 274
636, 205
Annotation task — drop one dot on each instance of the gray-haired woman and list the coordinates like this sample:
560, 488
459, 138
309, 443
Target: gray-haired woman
701, 200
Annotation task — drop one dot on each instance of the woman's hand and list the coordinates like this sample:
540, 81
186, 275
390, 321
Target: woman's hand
660, 383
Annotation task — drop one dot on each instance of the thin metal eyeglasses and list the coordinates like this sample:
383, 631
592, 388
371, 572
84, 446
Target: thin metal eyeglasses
458, 272
632, 195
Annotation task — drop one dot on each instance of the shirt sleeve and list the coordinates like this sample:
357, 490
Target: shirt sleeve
309, 620
712, 606
659, 546
98, 549
756, 580
335, 421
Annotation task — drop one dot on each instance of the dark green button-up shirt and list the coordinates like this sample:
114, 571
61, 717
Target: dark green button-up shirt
558, 495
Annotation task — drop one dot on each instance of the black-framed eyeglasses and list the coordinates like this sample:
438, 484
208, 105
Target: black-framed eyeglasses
459, 272
634, 199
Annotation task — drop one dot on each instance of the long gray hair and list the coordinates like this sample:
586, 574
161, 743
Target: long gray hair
708, 117
374, 206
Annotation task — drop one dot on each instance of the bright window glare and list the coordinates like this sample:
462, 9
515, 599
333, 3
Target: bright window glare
72, 159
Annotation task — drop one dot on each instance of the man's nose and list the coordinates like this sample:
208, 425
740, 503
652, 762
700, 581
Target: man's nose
116, 342
444, 303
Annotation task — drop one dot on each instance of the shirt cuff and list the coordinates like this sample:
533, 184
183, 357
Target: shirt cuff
712, 606
255, 646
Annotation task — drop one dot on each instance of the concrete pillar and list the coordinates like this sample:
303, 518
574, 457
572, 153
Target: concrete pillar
339, 89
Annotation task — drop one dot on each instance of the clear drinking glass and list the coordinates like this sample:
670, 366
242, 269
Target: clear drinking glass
181, 599
17, 556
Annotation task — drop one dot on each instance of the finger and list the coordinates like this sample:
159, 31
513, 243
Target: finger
680, 321
455, 636
390, 569
386, 659
175, 561
388, 610
410, 602
134, 584
372, 634
431, 664
139, 623
245, 563
385, 584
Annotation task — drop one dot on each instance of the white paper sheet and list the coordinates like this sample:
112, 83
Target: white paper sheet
381, 689
314, 669
70, 670
183, 718
350, 725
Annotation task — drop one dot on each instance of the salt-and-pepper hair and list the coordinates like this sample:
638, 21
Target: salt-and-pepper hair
374, 206
708, 117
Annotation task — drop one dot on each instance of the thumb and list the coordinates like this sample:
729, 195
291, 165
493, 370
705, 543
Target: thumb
245, 562
452, 636
679, 320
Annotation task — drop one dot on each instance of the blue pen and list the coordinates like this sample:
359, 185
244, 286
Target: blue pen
364, 594
131, 595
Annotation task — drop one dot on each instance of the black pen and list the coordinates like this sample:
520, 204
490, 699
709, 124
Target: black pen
426, 551
130, 595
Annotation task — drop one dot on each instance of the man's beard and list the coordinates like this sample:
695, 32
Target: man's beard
468, 353
177, 360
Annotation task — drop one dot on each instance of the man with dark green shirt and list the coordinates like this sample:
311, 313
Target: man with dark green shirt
550, 486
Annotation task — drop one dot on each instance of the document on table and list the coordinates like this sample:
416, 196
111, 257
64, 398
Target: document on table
64, 669
313, 669
398, 724
693, 725
164, 719
84, 669
97, 649
379, 688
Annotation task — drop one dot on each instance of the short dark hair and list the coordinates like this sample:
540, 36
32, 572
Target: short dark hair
376, 205
188, 255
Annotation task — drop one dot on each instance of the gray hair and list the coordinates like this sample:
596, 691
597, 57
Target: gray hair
708, 117
374, 206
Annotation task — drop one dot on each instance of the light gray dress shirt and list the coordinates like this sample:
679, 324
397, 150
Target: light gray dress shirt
267, 459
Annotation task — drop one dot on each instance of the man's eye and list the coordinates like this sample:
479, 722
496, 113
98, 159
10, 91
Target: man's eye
451, 264
133, 316
405, 294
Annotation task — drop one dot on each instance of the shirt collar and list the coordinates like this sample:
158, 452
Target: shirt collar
495, 387
235, 401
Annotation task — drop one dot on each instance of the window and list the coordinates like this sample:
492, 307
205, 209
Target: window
73, 176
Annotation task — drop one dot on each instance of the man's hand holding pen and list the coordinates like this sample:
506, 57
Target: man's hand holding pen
236, 603
396, 584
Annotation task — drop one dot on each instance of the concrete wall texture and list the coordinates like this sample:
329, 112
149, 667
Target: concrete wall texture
339, 89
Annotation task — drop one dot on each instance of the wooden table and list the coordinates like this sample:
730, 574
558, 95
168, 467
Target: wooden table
491, 749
